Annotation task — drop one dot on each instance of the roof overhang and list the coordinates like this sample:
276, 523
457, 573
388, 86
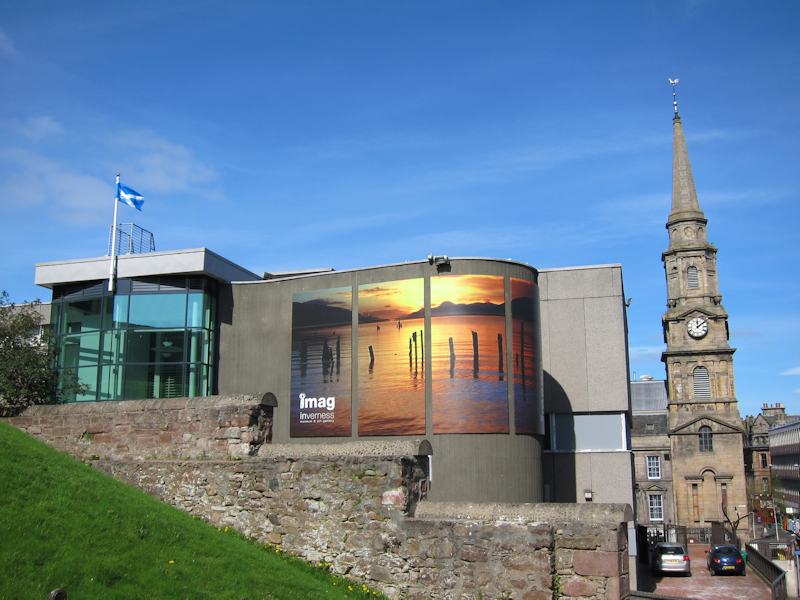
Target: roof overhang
194, 261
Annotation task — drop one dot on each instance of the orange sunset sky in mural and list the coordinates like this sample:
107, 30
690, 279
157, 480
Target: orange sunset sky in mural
466, 289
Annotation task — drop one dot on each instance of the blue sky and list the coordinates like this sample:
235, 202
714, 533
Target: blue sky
344, 134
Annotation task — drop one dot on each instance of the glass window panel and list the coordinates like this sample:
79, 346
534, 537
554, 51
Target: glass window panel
155, 346
199, 349
80, 350
195, 310
80, 316
158, 310
111, 378
172, 284
197, 380
120, 313
113, 347
78, 385
589, 432
153, 381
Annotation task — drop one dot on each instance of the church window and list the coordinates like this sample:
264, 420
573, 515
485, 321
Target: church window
655, 504
693, 281
723, 489
695, 502
764, 460
702, 385
706, 439
765, 485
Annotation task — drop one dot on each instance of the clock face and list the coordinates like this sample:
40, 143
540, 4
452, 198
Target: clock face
697, 327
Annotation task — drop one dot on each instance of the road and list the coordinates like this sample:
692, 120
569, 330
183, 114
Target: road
702, 585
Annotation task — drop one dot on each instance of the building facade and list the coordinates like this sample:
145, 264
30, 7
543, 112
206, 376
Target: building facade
448, 353
704, 423
655, 506
784, 447
757, 458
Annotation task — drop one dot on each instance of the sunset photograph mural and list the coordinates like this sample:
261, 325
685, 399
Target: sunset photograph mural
528, 413
469, 374
391, 358
321, 354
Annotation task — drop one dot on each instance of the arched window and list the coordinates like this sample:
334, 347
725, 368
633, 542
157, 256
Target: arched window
706, 440
702, 385
691, 278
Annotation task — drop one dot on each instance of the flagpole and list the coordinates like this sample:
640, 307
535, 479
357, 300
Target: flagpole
112, 269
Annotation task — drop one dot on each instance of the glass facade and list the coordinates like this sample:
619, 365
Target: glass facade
153, 338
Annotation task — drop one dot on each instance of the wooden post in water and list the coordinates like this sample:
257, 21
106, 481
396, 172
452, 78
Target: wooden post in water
522, 351
338, 354
371, 358
500, 350
452, 358
414, 337
410, 364
326, 358
422, 349
475, 364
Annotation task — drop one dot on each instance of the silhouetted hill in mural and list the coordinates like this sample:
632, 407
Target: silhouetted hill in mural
318, 313
450, 308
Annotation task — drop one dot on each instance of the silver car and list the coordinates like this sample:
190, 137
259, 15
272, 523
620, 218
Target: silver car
670, 558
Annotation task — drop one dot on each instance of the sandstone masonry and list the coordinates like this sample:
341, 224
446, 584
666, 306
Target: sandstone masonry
358, 506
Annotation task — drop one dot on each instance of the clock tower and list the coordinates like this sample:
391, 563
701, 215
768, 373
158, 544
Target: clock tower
705, 426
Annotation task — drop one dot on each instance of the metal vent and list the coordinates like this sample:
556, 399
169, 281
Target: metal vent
702, 385
693, 280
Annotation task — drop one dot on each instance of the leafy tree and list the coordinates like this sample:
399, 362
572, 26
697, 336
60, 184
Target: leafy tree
26, 374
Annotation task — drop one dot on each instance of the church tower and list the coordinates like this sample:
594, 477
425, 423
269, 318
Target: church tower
705, 427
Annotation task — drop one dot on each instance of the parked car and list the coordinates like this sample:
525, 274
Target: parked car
670, 558
725, 559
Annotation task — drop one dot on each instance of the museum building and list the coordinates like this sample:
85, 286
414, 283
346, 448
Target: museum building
515, 378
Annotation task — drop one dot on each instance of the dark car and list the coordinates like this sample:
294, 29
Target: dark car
725, 559
671, 558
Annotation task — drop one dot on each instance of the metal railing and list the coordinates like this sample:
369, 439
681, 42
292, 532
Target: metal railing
772, 574
131, 239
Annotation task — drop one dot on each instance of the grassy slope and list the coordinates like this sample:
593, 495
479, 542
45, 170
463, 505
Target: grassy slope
62, 524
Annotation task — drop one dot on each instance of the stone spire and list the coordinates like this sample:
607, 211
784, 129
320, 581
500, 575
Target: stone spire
685, 206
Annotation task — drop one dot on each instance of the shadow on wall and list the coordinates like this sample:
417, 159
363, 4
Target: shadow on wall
560, 478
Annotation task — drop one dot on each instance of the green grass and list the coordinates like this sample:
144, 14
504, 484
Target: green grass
63, 524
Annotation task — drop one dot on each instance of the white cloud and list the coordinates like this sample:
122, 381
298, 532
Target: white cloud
645, 352
792, 371
39, 181
7, 47
37, 128
156, 165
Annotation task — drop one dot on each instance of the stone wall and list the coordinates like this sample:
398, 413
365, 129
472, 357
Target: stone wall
214, 427
358, 506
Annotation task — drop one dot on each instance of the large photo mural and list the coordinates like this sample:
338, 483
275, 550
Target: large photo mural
468, 327
528, 410
321, 358
391, 358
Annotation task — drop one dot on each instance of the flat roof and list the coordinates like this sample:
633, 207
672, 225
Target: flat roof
192, 261
332, 271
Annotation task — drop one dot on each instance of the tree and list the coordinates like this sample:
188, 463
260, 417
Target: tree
26, 374
733, 524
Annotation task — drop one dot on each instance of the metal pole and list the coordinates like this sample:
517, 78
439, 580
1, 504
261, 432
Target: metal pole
112, 269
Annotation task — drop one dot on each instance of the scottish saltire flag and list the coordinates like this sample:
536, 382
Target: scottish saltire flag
130, 197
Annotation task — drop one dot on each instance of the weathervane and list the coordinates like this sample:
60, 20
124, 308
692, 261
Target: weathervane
673, 83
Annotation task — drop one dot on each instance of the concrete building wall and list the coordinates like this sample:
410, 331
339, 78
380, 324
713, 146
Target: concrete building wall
254, 356
585, 360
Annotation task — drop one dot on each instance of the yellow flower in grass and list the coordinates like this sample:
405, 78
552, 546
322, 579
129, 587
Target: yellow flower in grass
171, 562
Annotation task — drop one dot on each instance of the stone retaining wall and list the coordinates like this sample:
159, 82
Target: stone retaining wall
358, 506
214, 427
